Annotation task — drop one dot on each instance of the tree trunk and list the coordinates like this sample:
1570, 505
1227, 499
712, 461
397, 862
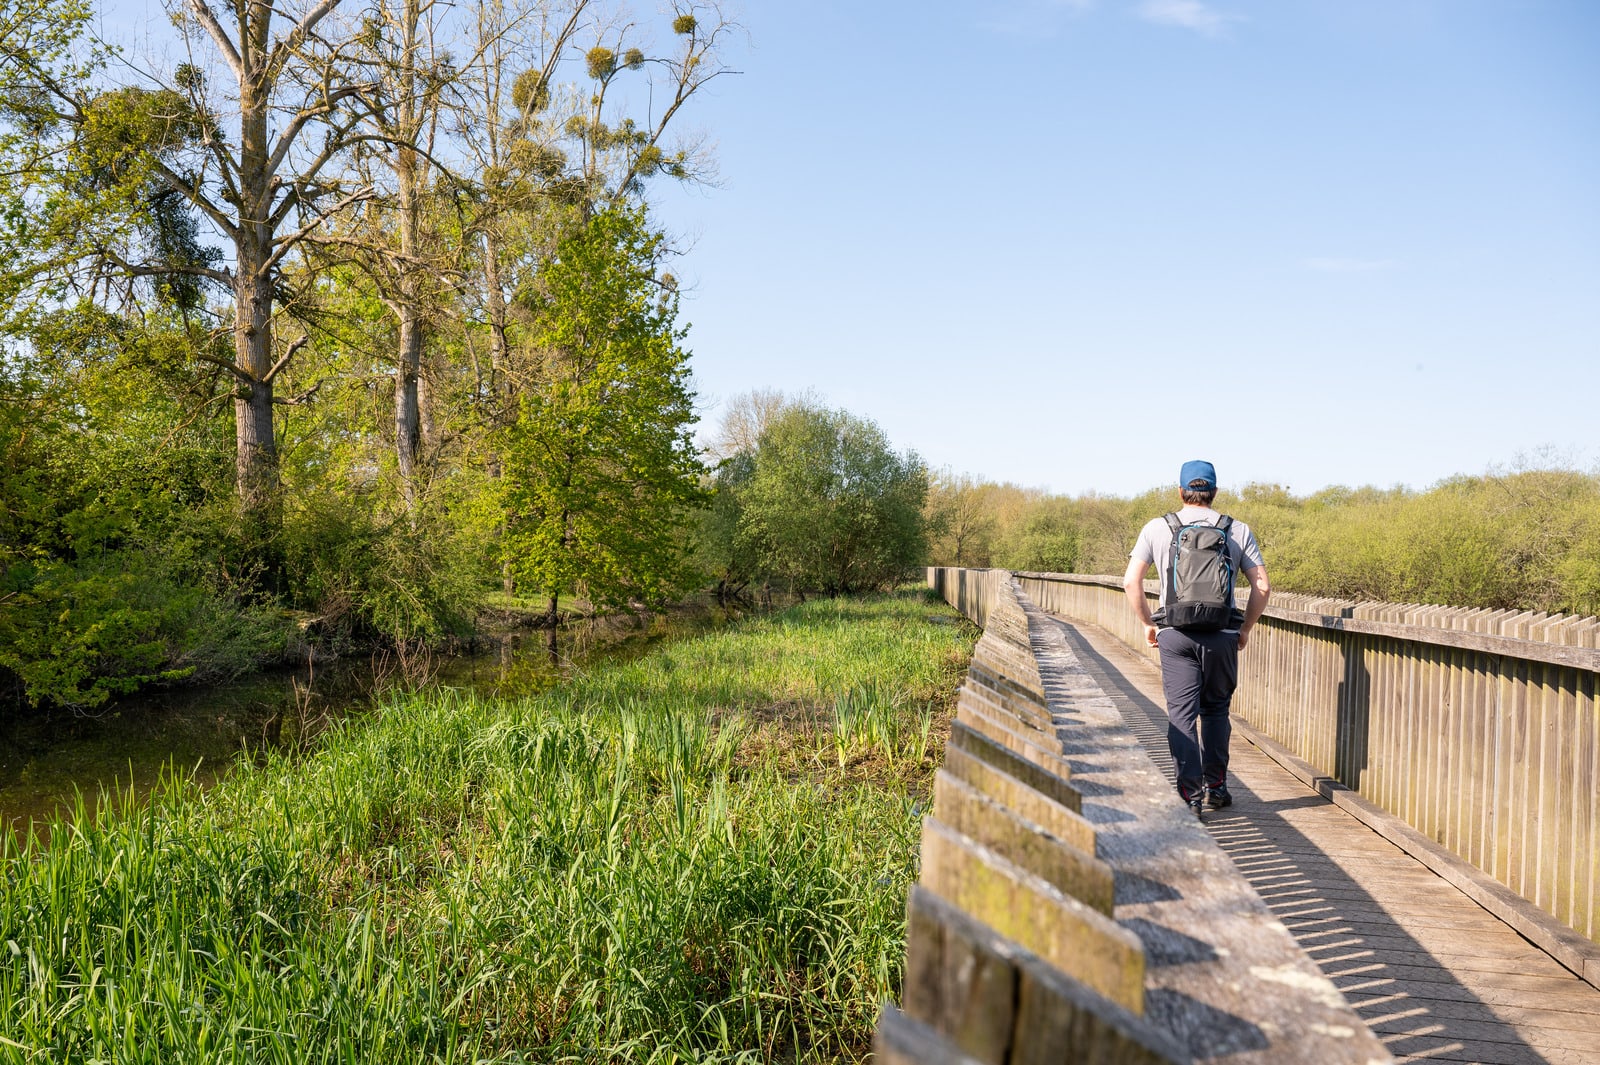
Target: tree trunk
408, 167
550, 631
497, 314
256, 478
257, 448
490, 395
427, 428
407, 426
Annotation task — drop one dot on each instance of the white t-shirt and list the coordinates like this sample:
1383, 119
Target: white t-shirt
1155, 544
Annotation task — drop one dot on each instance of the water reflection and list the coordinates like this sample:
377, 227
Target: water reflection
47, 759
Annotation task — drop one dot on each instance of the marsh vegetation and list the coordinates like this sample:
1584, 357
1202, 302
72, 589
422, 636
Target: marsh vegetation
700, 854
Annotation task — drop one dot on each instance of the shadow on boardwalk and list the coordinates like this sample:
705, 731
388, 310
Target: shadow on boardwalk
1423, 1005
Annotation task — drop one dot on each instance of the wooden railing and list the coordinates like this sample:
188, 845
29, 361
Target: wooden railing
1069, 909
1479, 730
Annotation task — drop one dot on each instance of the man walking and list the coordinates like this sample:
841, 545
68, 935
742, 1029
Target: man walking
1196, 552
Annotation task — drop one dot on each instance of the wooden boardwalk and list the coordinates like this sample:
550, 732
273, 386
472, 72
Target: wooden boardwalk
1435, 975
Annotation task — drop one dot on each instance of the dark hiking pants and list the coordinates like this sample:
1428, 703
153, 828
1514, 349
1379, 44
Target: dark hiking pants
1199, 671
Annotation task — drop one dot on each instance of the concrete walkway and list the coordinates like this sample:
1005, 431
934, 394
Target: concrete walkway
1435, 975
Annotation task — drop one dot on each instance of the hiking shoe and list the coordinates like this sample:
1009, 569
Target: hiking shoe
1196, 803
1218, 797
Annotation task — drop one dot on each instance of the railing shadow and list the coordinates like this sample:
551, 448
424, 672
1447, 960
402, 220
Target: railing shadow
1380, 967
1354, 702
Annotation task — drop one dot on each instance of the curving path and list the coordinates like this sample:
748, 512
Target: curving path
1433, 974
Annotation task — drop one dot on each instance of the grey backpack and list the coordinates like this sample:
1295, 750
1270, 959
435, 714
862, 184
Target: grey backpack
1199, 590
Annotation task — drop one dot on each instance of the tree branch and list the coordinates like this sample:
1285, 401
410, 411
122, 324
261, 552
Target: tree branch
294, 346
303, 117
219, 37
286, 243
296, 37
192, 193
222, 277
226, 364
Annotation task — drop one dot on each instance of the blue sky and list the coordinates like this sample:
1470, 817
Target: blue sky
1071, 244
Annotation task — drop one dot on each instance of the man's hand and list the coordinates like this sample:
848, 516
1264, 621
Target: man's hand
1260, 592
1133, 585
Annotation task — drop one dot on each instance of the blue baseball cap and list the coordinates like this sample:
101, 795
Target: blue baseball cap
1198, 470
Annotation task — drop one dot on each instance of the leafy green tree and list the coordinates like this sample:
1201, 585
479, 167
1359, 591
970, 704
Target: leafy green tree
961, 523
1047, 539
116, 563
830, 506
149, 160
601, 475
727, 558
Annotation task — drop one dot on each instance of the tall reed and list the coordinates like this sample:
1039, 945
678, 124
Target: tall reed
646, 863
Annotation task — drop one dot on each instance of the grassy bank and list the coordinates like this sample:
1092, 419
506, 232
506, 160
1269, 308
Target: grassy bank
699, 855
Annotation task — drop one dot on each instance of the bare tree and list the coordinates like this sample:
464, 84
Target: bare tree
961, 525
407, 74
746, 416
263, 177
557, 131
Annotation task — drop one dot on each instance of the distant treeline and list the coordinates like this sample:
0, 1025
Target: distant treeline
1528, 539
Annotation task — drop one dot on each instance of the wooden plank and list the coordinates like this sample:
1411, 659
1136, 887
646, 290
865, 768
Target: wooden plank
1385, 708
1002, 703
1415, 733
1474, 788
1000, 1003
1509, 951
1524, 739
971, 702
1425, 969
1004, 683
1577, 953
1427, 1047
1497, 843
1060, 821
1023, 843
1360, 694
1555, 996
1014, 740
1586, 802
1449, 793
1074, 938
899, 1040
1009, 762
1529, 1022
1001, 684
1327, 914
1007, 661
1482, 1032
955, 981
1558, 872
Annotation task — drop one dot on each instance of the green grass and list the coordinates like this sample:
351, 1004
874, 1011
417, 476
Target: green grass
702, 854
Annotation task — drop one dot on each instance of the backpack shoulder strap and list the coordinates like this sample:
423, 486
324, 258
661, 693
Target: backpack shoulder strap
1233, 552
1171, 577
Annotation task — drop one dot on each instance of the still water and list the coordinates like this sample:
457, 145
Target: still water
47, 761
